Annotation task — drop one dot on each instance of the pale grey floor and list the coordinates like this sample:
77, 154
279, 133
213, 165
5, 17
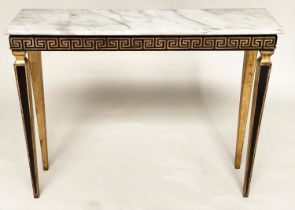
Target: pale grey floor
150, 130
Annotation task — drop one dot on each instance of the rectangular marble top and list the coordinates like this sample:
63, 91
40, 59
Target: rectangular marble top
143, 22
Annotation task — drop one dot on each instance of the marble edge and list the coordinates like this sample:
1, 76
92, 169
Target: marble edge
233, 33
278, 31
6, 29
280, 27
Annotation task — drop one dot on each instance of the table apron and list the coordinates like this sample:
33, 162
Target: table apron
142, 43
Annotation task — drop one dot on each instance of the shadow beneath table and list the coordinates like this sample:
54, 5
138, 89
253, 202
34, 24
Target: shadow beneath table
170, 100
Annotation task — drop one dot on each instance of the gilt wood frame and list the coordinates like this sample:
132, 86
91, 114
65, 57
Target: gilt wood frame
27, 67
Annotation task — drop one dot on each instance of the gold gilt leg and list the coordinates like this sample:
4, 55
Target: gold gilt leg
37, 81
246, 89
260, 88
23, 80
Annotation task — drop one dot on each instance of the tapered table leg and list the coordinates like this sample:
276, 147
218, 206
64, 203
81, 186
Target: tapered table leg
250, 58
260, 88
22, 73
38, 90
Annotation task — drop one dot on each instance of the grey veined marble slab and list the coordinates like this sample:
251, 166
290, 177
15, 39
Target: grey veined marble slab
143, 22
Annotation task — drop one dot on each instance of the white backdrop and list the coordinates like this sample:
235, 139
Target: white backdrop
149, 130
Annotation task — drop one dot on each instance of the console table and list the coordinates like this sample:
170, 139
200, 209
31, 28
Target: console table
250, 30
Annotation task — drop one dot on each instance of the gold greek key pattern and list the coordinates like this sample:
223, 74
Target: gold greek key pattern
138, 43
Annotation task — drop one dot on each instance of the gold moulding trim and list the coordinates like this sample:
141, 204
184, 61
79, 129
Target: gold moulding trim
265, 57
19, 57
139, 43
